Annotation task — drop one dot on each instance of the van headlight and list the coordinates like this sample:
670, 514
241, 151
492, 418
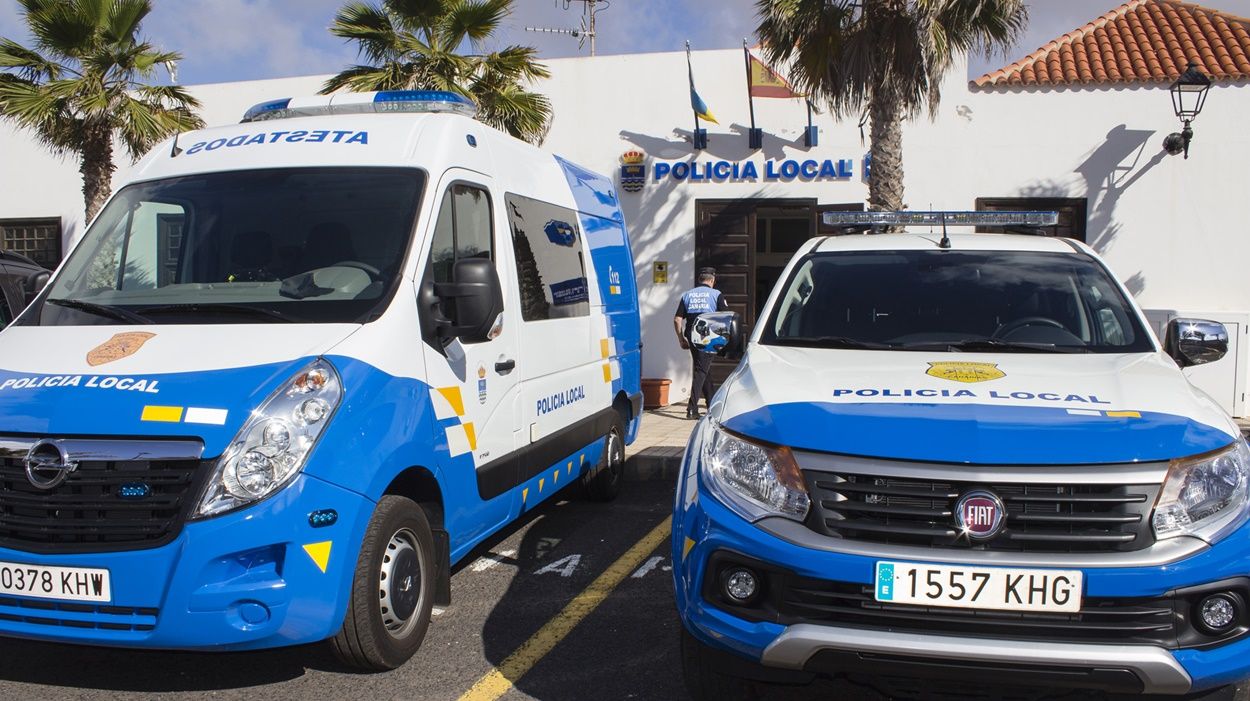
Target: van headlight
1205, 496
274, 443
753, 479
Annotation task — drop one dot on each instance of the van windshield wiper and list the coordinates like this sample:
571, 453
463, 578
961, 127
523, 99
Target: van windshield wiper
993, 344
236, 309
104, 310
831, 342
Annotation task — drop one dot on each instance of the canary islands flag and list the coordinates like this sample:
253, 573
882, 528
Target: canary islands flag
696, 103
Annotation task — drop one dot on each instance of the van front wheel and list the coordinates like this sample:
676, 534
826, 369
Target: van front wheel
604, 482
392, 595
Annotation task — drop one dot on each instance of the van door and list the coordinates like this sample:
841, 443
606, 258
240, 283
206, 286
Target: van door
473, 385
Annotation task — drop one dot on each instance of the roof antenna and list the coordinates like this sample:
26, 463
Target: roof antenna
945, 243
174, 151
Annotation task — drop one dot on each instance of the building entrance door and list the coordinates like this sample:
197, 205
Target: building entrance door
749, 243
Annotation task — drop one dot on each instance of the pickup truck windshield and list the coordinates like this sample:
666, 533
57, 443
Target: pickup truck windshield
308, 245
956, 301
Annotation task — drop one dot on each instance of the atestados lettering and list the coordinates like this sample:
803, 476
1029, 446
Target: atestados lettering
318, 136
993, 394
129, 384
546, 405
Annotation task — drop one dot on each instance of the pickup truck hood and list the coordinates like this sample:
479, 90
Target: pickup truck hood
175, 380
975, 408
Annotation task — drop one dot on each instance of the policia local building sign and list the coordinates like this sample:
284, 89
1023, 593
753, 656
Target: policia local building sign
634, 171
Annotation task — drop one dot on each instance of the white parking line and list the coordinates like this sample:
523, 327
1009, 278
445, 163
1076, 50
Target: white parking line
492, 559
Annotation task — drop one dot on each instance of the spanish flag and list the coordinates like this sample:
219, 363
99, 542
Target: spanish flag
763, 81
696, 103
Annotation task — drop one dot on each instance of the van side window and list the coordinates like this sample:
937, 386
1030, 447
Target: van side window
463, 230
550, 260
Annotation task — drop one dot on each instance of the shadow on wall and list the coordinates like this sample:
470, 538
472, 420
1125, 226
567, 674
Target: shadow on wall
1106, 173
726, 147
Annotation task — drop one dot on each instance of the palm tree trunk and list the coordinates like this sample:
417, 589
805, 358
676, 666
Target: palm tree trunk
96, 167
885, 181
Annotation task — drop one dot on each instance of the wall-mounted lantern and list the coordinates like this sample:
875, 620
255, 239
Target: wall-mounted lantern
1189, 92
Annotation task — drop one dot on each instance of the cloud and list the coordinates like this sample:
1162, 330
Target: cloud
225, 40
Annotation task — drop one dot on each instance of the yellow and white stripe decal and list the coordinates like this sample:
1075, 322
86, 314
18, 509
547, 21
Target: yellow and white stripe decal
190, 415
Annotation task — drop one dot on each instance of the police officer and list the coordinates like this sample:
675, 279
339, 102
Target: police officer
699, 300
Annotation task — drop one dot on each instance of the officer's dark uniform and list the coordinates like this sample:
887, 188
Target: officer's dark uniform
696, 301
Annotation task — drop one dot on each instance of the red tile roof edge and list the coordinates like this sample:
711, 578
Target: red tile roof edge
1068, 57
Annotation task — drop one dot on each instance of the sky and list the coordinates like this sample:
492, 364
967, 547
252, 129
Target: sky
229, 40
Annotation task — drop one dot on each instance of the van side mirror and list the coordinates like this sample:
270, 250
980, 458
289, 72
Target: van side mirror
477, 301
1195, 341
719, 333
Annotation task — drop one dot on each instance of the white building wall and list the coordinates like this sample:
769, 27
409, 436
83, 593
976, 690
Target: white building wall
1172, 229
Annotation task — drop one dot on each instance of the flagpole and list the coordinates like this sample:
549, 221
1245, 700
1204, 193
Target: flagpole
694, 138
809, 136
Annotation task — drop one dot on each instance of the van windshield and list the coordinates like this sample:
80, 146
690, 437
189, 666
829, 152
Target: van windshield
956, 301
309, 245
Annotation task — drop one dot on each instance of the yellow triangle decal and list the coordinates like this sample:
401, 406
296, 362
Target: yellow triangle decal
470, 434
320, 554
685, 550
452, 395
540, 484
555, 476
525, 494
583, 462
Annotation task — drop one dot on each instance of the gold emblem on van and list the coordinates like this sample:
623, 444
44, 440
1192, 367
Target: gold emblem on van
965, 372
119, 346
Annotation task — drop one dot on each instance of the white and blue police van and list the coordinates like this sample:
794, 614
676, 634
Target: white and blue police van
298, 368
964, 457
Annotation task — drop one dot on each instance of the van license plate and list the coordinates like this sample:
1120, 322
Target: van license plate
65, 583
1001, 589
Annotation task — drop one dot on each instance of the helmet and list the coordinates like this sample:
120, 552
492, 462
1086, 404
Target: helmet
711, 333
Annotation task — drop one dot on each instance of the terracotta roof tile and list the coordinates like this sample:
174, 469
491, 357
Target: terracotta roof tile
1141, 41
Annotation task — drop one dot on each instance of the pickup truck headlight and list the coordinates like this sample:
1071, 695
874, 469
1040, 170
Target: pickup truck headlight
1205, 496
274, 443
753, 479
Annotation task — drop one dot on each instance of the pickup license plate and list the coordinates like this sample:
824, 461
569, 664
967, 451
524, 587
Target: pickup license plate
65, 583
1002, 589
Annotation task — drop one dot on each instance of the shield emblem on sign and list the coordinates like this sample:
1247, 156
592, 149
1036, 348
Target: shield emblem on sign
119, 346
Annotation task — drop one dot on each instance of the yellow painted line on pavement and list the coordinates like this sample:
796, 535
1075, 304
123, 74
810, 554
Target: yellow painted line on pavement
498, 681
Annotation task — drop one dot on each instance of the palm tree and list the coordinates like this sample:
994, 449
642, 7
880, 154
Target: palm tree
888, 56
79, 88
413, 45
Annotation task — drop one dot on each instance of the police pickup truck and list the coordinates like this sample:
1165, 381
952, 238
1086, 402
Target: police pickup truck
964, 457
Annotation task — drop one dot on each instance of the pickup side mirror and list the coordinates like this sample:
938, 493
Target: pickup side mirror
719, 333
476, 301
1195, 341
34, 284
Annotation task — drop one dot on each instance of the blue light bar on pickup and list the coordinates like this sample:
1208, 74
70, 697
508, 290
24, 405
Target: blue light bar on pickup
359, 103
912, 218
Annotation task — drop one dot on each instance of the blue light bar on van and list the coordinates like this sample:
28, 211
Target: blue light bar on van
359, 103
913, 218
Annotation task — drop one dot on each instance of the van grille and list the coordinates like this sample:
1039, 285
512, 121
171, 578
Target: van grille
1055, 518
88, 512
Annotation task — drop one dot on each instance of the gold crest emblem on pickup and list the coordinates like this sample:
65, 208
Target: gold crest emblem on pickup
965, 372
119, 346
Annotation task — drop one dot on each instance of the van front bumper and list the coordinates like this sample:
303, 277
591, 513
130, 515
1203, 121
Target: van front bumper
241, 581
703, 527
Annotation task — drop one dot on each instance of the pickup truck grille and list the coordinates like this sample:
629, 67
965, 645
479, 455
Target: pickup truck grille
88, 511
1054, 518
1130, 621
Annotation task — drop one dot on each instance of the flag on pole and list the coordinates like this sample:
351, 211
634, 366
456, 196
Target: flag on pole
763, 81
696, 103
